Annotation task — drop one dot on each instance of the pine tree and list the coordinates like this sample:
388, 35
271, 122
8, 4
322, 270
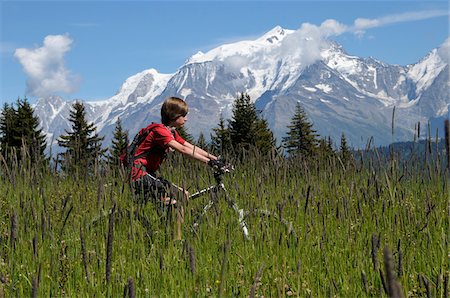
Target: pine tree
220, 138
30, 134
247, 130
19, 129
325, 147
301, 139
242, 122
119, 144
83, 145
182, 131
201, 141
345, 153
263, 137
7, 127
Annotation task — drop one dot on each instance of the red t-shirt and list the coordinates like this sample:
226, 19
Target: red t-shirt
156, 145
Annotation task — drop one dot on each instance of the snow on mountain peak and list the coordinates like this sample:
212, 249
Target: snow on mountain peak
424, 72
244, 48
195, 57
149, 81
335, 58
131, 82
274, 35
273, 69
137, 89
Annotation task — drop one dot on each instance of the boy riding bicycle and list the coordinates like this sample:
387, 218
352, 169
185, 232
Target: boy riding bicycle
150, 154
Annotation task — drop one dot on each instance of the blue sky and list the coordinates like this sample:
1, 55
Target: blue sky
93, 46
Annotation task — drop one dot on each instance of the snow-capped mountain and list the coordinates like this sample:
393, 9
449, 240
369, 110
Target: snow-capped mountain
340, 92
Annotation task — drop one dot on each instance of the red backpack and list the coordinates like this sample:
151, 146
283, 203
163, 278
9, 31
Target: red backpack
128, 157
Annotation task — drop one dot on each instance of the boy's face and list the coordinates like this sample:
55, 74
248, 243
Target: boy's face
180, 121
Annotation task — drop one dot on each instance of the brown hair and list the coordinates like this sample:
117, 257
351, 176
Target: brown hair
172, 108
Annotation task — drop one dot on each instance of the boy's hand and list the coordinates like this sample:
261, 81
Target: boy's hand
216, 164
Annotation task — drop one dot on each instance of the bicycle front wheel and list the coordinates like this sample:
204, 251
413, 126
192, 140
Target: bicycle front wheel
270, 226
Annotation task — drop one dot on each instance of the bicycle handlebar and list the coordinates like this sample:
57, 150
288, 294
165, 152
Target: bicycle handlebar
222, 170
225, 169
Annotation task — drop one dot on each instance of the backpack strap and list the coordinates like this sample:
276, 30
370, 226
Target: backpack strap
137, 141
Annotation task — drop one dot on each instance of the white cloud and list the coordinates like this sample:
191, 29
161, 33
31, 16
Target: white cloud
305, 45
313, 39
332, 27
361, 24
44, 66
235, 63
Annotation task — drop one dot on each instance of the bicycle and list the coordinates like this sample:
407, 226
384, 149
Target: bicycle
219, 186
242, 214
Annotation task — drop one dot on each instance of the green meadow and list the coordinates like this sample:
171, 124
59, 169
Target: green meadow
373, 228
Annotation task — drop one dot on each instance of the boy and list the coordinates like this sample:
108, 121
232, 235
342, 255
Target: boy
151, 153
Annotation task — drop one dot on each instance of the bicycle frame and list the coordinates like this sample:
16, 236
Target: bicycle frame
221, 187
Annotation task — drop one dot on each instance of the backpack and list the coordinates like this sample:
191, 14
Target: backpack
128, 157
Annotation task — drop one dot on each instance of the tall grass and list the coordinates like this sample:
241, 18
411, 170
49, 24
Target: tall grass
60, 235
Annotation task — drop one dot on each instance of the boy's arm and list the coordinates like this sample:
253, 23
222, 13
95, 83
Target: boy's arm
186, 150
200, 150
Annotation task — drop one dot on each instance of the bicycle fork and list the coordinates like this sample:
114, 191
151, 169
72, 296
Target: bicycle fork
231, 204
240, 212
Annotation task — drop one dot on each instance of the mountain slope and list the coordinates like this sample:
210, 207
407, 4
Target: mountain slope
341, 93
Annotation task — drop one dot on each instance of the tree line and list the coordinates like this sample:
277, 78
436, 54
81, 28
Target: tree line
20, 135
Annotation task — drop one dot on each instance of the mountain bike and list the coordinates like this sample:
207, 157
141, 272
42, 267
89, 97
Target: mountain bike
243, 216
267, 219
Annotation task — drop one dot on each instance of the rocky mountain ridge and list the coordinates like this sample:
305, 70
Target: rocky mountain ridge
341, 93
